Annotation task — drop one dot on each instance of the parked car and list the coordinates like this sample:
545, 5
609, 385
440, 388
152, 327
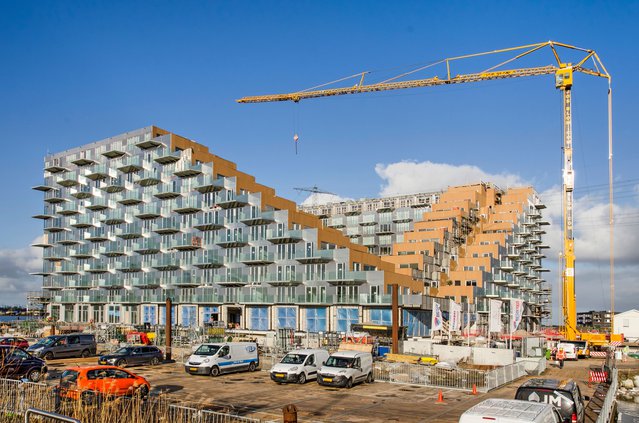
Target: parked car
16, 363
213, 359
133, 356
563, 394
497, 410
14, 341
64, 346
345, 368
96, 383
298, 366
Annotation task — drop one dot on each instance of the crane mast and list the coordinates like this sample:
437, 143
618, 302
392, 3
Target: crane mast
563, 73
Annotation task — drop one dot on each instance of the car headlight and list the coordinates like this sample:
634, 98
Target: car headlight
292, 369
206, 360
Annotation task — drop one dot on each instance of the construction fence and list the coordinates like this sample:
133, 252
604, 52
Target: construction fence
450, 378
17, 397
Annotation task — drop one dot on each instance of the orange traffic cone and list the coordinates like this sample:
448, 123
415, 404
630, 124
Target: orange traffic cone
474, 389
440, 397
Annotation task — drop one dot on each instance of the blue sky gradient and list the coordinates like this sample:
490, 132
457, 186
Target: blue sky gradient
79, 71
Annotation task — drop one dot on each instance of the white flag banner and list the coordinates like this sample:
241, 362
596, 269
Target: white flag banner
494, 322
438, 320
454, 316
516, 313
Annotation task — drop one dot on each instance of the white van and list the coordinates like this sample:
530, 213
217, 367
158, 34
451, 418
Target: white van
224, 357
345, 368
299, 366
510, 411
569, 349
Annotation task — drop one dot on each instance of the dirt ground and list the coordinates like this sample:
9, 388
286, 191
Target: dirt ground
255, 395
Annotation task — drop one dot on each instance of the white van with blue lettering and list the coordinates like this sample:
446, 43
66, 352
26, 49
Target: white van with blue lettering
224, 357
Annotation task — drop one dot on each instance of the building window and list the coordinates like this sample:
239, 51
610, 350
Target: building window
113, 313
457, 283
149, 314
210, 314
189, 316
286, 318
259, 318
316, 320
381, 316
346, 317
471, 283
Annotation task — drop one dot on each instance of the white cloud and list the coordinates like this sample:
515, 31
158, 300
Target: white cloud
15, 280
408, 177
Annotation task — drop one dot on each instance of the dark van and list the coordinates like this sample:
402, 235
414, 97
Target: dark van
563, 394
65, 346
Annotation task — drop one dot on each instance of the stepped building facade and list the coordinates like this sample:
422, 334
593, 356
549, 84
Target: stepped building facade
137, 218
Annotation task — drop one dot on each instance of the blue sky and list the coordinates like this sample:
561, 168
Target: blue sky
77, 72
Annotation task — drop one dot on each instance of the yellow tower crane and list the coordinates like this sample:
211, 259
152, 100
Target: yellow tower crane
589, 64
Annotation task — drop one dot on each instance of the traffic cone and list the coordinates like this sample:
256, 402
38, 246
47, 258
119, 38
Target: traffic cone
474, 389
440, 397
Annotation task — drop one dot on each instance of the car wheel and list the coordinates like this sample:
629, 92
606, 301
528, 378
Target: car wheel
142, 391
121, 363
349, 383
252, 366
215, 371
302, 378
86, 353
34, 375
155, 361
48, 356
369, 378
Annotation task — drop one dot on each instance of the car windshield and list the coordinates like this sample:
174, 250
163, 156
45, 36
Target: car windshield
293, 358
342, 362
69, 376
207, 350
46, 342
123, 351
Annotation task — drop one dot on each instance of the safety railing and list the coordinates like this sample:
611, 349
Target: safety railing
415, 374
503, 375
609, 401
178, 413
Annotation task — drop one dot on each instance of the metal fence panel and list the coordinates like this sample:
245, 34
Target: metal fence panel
609, 401
215, 417
415, 374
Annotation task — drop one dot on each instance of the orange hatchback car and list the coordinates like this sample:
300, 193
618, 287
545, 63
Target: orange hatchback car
95, 383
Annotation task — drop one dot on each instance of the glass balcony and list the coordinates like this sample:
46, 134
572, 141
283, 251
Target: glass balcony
164, 156
148, 211
283, 236
68, 179
506, 265
114, 153
147, 281
312, 298
187, 170
207, 296
54, 197
346, 278
83, 221
54, 254
111, 282
99, 172
232, 240
314, 256
81, 192
96, 266
52, 283
207, 261
68, 208
206, 183
130, 164
115, 249
66, 268
185, 280
188, 205
166, 192
257, 298
234, 201
501, 278
231, 279
257, 258
84, 252
129, 266
129, 231
112, 185
148, 177
208, 221
66, 238
186, 242
336, 222
285, 278
52, 167
55, 225
345, 299
130, 198
259, 218
147, 246
48, 213
166, 262
97, 235
147, 142
116, 217
167, 226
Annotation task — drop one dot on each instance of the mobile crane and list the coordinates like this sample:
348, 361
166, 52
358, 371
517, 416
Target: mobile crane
563, 73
